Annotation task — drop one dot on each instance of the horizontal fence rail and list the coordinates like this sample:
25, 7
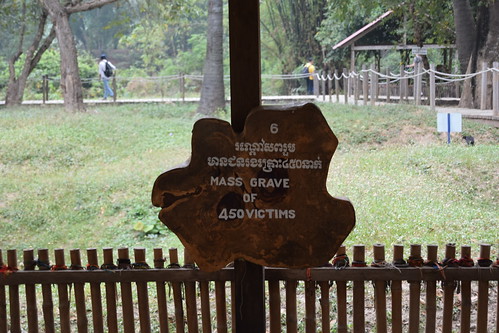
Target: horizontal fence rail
367, 85
409, 294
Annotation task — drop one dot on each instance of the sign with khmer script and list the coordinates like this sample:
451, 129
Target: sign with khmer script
260, 194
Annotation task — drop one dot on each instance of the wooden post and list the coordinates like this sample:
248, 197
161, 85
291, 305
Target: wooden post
95, 293
345, 84
483, 86
432, 87
177, 294
403, 84
48, 303
45, 93
190, 297
64, 313
3, 303
495, 90
182, 86
291, 312
418, 83
126, 293
32, 311
483, 297
111, 306
274, 306
431, 293
221, 306
336, 86
396, 288
142, 295
330, 86
374, 84
358, 291
245, 83
356, 88
414, 294
15, 308
448, 286
465, 294
388, 90
79, 291
323, 85
341, 296
365, 84
114, 89
380, 288
159, 263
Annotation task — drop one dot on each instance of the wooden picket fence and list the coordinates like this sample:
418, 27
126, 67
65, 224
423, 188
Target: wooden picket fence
397, 295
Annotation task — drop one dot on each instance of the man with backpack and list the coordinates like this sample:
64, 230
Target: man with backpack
106, 69
309, 68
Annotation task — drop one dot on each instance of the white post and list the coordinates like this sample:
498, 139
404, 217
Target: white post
374, 84
495, 88
432, 87
388, 92
345, 84
483, 86
365, 84
417, 84
336, 86
403, 84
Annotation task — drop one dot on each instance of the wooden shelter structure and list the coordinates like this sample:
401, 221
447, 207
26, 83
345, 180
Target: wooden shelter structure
359, 34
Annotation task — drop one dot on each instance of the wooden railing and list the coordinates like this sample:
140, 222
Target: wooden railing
406, 295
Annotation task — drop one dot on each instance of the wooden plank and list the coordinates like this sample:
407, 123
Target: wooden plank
431, 293
126, 294
414, 291
465, 324
221, 306
291, 313
62, 293
380, 286
325, 307
310, 319
204, 291
142, 292
79, 292
358, 292
245, 81
95, 293
177, 294
483, 288
161, 293
32, 310
274, 307
250, 314
47, 304
396, 289
14, 304
226, 274
449, 286
111, 306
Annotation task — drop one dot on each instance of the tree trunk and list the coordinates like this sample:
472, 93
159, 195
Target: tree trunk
488, 53
212, 90
465, 32
17, 83
70, 77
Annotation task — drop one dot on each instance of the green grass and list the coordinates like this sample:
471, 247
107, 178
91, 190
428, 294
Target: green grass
84, 180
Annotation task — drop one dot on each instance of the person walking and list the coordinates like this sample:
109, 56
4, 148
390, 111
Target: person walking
105, 74
310, 69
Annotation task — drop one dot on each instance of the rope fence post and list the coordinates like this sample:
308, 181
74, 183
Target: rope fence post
345, 84
330, 86
365, 84
495, 89
403, 84
483, 86
114, 89
182, 86
432, 87
374, 84
417, 84
45, 93
336, 86
388, 90
356, 88
323, 85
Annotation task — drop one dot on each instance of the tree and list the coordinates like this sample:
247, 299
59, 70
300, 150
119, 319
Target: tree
32, 52
212, 90
477, 41
70, 77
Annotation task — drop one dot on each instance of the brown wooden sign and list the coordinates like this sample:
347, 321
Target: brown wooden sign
260, 194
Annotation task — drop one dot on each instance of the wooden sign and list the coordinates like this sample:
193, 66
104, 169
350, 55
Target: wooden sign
259, 194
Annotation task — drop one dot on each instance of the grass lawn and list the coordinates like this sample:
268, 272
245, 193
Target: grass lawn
84, 180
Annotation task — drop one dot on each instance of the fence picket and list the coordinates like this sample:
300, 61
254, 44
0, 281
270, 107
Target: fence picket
483, 298
126, 293
32, 310
380, 286
465, 294
95, 293
111, 306
177, 294
15, 312
142, 294
274, 306
396, 289
63, 294
159, 262
414, 290
291, 311
79, 292
221, 306
190, 297
48, 303
449, 288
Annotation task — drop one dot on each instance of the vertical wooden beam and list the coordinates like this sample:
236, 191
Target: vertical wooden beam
432, 87
245, 83
250, 297
495, 89
245, 80
483, 86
